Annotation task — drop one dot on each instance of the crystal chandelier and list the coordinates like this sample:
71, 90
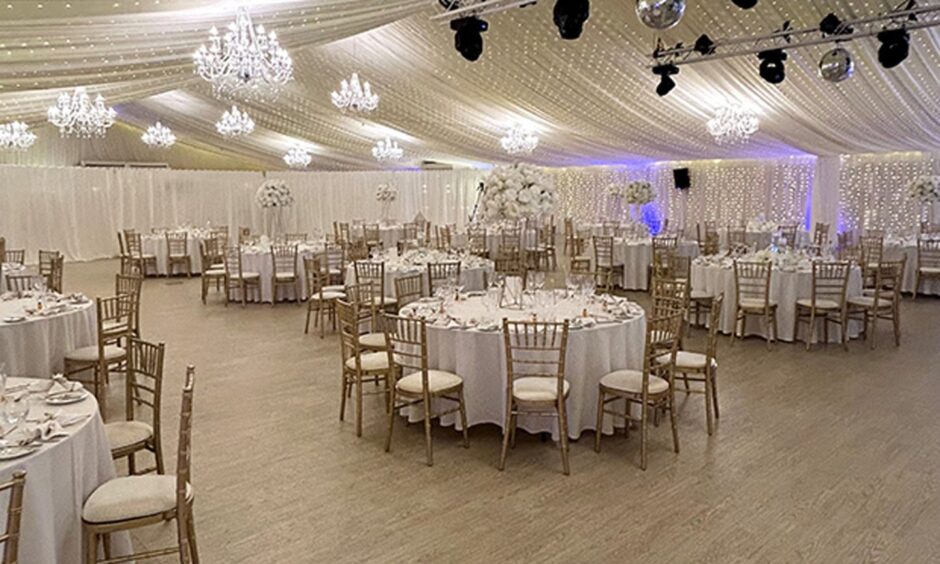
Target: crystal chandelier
519, 140
16, 136
354, 96
244, 61
733, 123
297, 157
158, 136
387, 150
74, 114
235, 123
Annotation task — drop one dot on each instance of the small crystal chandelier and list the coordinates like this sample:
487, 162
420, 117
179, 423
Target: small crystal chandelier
235, 123
387, 150
158, 136
519, 140
354, 96
244, 61
733, 123
74, 114
16, 136
297, 157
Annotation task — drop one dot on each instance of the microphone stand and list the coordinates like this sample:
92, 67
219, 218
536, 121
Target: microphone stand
481, 190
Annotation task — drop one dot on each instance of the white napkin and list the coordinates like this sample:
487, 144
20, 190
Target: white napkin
60, 384
51, 429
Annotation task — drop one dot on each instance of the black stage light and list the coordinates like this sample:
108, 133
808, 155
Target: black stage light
704, 45
744, 4
666, 83
895, 47
570, 16
468, 39
771, 65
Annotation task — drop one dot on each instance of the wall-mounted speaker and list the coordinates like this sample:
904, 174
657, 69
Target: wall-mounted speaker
682, 178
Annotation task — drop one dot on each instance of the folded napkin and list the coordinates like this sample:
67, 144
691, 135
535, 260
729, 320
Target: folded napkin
51, 429
60, 384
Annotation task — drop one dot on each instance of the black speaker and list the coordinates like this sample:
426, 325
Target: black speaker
682, 178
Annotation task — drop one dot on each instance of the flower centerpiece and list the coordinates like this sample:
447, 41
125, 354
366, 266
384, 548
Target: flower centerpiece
925, 189
386, 194
274, 197
516, 192
639, 193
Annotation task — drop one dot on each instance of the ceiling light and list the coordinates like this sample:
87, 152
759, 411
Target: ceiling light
468, 39
387, 150
16, 136
569, 17
895, 47
158, 136
519, 139
75, 114
297, 157
354, 96
666, 83
772, 65
235, 123
733, 123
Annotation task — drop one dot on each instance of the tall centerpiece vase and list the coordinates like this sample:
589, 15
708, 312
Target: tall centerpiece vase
274, 198
385, 195
386, 211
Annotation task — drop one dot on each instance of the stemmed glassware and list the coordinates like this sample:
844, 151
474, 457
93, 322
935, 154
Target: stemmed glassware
12, 413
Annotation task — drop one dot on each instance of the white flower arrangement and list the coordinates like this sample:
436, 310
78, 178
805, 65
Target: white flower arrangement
274, 194
386, 193
616, 190
925, 189
516, 192
638, 193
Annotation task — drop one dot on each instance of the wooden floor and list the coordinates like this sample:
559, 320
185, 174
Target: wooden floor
822, 456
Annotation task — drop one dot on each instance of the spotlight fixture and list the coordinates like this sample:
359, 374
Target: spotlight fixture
744, 4
895, 47
468, 39
771, 67
832, 25
569, 17
704, 45
666, 83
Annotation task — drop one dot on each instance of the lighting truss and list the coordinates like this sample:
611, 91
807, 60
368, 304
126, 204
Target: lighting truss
457, 9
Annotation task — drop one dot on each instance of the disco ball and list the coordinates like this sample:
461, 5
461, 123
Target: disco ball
836, 65
660, 14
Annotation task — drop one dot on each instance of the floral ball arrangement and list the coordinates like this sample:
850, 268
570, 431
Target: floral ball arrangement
638, 193
386, 193
274, 194
516, 192
925, 189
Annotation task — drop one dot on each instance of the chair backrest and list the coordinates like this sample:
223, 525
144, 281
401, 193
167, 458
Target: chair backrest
872, 249
177, 243
284, 259
511, 237
663, 335
211, 250
370, 232
662, 242
669, 294
889, 276
408, 289
443, 272
316, 276
233, 261
535, 349
362, 297
443, 237
789, 233
511, 266
134, 244
54, 277
604, 251
547, 236
821, 235
580, 265
291, 238
144, 383
125, 284
830, 281
476, 243
45, 261
15, 256
3, 249
407, 345
184, 461
333, 259
349, 321
851, 253
737, 235
928, 253
11, 537
371, 271
356, 250
752, 280
20, 282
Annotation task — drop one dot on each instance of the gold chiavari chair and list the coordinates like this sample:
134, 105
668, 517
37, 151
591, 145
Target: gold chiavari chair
177, 253
360, 366
363, 298
143, 391
371, 235
444, 242
827, 302
609, 228
665, 243
54, 278
407, 351
884, 303
752, 297
237, 279
284, 273
244, 235
321, 300
20, 282
144, 263
651, 388
535, 382
510, 242
409, 231
333, 260
821, 235
3, 249
570, 236
604, 255
11, 536
294, 238
115, 324
737, 235
408, 289
130, 285
852, 254
928, 262
374, 272
543, 256
789, 233
45, 262
131, 502
357, 250
580, 272
15, 256
511, 266
442, 273
212, 255
872, 254
695, 367
476, 243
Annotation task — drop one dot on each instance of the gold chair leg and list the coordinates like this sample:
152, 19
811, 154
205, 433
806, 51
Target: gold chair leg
358, 405
391, 420
600, 421
191, 536
563, 431
644, 417
709, 398
342, 404
463, 420
427, 430
507, 426
91, 545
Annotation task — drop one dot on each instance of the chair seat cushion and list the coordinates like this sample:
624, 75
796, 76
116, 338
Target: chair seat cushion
335, 288
370, 361
214, 271
820, 304
326, 296
374, 341
686, 360
387, 300
885, 294
754, 303
248, 275
537, 389
869, 302
90, 354
930, 270
701, 295
285, 276
130, 497
126, 433
631, 381
438, 381
179, 257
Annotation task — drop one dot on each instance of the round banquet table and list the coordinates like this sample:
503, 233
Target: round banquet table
908, 249
153, 244
261, 261
389, 234
785, 288
59, 477
472, 279
37, 346
479, 357
636, 257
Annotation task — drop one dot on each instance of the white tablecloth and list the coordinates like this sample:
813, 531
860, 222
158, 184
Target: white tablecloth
928, 286
156, 245
472, 279
785, 289
59, 477
480, 359
16, 270
636, 256
263, 263
388, 234
37, 346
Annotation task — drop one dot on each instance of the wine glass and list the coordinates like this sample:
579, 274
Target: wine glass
13, 413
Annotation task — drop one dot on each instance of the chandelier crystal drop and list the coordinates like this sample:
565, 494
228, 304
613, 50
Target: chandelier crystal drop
16, 136
158, 136
245, 61
354, 96
732, 124
519, 140
235, 123
387, 150
297, 157
75, 115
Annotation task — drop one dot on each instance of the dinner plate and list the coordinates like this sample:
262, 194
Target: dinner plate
65, 398
13, 319
17, 452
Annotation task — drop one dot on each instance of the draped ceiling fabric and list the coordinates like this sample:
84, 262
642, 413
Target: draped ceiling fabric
592, 101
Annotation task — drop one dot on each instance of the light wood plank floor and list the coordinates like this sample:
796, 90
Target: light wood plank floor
821, 456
